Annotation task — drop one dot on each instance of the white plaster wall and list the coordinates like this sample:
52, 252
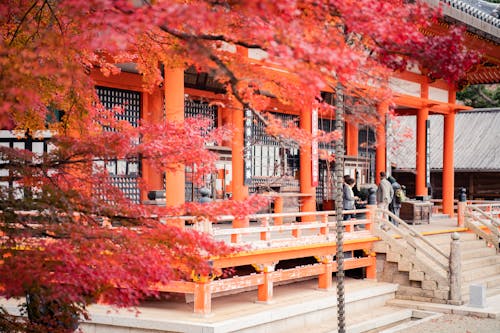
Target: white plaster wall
438, 94
404, 87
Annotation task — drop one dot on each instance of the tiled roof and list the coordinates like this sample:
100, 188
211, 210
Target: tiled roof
477, 141
480, 16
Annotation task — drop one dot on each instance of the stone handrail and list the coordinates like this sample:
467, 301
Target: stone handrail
435, 257
477, 219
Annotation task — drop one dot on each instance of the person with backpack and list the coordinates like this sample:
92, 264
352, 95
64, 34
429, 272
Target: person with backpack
398, 198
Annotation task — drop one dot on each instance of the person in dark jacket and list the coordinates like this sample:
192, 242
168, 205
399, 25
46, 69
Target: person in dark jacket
395, 205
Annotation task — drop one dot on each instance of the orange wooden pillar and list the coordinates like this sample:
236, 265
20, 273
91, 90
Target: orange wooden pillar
153, 114
352, 142
420, 181
240, 191
448, 153
278, 208
174, 110
306, 188
422, 117
380, 152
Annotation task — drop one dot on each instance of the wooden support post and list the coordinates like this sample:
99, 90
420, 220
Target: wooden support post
352, 141
174, 110
265, 290
265, 235
380, 152
278, 208
455, 271
448, 167
370, 217
422, 116
461, 206
240, 192
305, 172
371, 270
420, 181
296, 233
325, 279
152, 114
324, 230
202, 298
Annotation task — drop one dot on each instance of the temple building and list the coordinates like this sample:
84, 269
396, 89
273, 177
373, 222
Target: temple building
270, 166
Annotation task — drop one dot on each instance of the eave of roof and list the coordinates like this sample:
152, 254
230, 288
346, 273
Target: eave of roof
480, 17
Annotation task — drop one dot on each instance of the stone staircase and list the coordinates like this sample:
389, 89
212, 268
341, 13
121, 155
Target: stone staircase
403, 258
480, 263
419, 267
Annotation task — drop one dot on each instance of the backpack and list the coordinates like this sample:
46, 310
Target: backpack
399, 195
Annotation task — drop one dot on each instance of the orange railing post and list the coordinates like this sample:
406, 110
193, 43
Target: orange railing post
265, 235
324, 230
278, 208
370, 217
265, 290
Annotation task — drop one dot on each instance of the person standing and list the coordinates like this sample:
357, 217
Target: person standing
385, 192
348, 200
395, 205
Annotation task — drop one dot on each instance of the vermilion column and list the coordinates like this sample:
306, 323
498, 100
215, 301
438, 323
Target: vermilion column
422, 116
306, 188
448, 153
380, 152
420, 185
351, 139
174, 110
240, 191
152, 113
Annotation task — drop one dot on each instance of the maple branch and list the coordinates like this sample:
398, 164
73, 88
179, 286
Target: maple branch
55, 17
18, 28
222, 38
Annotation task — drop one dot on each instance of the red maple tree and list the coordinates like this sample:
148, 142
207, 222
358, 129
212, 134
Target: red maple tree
54, 246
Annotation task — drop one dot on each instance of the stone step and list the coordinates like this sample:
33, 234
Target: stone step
446, 237
294, 308
480, 273
440, 216
421, 295
475, 263
369, 321
464, 245
492, 284
478, 253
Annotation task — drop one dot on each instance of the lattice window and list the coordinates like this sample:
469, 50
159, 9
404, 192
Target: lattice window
274, 164
194, 108
124, 174
37, 145
129, 100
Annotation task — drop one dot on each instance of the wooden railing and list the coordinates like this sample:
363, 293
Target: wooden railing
483, 220
264, 243
438, 204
